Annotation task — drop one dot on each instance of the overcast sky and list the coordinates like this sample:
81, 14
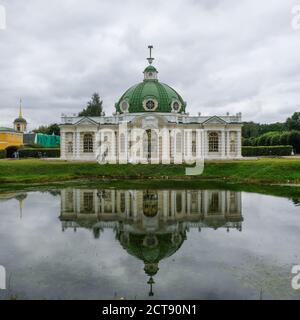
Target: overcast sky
222, 56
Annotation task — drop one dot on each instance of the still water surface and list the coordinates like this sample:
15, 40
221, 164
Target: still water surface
148, 244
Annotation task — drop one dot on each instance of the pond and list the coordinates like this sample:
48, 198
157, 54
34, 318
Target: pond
79, 243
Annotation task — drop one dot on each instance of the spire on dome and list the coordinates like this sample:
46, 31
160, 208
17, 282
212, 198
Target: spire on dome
150, 59
150, 73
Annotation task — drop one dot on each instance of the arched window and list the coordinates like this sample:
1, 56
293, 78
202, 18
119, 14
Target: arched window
213, 142
70, 147
87, 143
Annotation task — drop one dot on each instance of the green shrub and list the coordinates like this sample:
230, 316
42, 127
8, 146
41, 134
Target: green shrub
2, 154
33, 145
39, 153
294, 140
267, 151
275, 140
284, 138
287, 138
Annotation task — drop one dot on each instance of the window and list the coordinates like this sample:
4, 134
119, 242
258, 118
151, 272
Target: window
176, 105
88, 143
178, 202
124, 105
213, 142
150, 104
232, 146
214, 203
70, 147
88, 202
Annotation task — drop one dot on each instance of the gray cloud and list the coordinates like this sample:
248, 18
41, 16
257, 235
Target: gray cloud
221, 56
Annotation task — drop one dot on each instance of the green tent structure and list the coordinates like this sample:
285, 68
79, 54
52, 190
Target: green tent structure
47, 141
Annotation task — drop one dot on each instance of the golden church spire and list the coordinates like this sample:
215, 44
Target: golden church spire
20, 111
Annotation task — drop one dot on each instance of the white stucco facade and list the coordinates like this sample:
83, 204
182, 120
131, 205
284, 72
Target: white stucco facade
166, 138
151, 126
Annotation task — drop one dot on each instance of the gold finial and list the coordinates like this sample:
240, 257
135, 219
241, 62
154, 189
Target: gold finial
20, 112
150, 59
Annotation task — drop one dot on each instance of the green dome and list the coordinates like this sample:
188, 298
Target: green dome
150, 96
150, 69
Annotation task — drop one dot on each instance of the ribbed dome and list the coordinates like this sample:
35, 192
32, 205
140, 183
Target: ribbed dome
150, 96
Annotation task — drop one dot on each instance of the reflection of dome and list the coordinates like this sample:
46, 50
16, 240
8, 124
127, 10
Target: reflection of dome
151, 252
151, 248
21, 196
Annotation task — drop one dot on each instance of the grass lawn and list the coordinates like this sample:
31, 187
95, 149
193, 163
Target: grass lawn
266, 170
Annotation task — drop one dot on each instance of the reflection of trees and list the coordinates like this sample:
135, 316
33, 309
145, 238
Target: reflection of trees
296, 202
54, 193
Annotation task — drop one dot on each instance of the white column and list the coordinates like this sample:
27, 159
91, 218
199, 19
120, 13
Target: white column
239, 144
188, 202
96, 202
166, 209
113, 148
78, 196
78, 145
188, 138
205, 202
223, 202
113, 201
199, 146
63, 145
127, 203
228, 144
223, 144
165, 146
205, 143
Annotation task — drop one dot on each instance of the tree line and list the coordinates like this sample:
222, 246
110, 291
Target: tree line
93, 108
274, 134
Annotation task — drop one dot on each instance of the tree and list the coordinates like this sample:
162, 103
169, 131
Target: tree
93, 108
52, 128
293, 123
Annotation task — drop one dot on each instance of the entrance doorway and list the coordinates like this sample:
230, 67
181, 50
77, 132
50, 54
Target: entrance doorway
10, 151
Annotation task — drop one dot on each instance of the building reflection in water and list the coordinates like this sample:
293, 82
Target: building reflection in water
150, 224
